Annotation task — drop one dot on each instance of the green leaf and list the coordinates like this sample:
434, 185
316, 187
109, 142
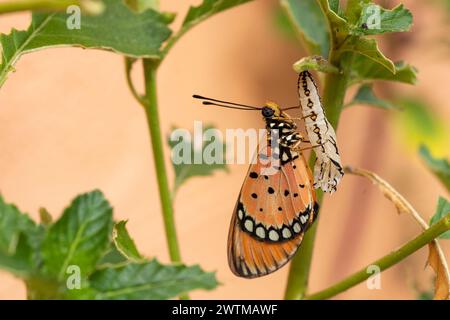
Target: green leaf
111, 257
197, 14
442, 209
284, 24
12, 223
338, 26
184, 155
369, 49
440, 167
317, 63
368, 57
79, 237
18, 262
334, 5
20, 239
364, 68
354, 9
398, 19
149, 281
117, 29
124, 243
365, 95
309, 24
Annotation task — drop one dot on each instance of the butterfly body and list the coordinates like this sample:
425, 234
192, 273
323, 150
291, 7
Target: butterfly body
276, 204
277, 201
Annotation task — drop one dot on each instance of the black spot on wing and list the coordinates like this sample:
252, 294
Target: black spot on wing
253, 175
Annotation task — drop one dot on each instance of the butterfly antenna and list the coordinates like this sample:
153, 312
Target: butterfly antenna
290, 108
208, 103
224, 104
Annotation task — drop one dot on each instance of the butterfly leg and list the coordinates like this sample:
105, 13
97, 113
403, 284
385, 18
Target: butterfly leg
307, 148
312, 115
297, 144
296, 118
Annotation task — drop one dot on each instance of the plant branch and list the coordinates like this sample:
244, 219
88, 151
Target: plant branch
335, 86
151, 111
128, 66
22, 5
387, 261
297, 283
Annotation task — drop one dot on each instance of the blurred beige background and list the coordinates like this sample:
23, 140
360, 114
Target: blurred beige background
68, 124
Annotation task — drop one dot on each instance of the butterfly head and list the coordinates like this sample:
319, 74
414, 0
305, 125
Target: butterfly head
271, 110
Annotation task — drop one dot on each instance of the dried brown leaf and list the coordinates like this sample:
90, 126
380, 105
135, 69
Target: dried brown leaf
437, 261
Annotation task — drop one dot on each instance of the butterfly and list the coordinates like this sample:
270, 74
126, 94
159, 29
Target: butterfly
327, 168
277, 201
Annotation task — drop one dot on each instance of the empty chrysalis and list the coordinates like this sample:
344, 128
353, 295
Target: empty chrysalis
327, 169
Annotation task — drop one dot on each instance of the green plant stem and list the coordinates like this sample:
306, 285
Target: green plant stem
301, 263
151, 111
387, 261
335, 86
128, 66
22, 5
333, 100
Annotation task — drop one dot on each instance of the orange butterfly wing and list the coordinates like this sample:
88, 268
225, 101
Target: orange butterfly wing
270, 218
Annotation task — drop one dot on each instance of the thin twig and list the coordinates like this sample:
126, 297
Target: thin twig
402, 205
128, 66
